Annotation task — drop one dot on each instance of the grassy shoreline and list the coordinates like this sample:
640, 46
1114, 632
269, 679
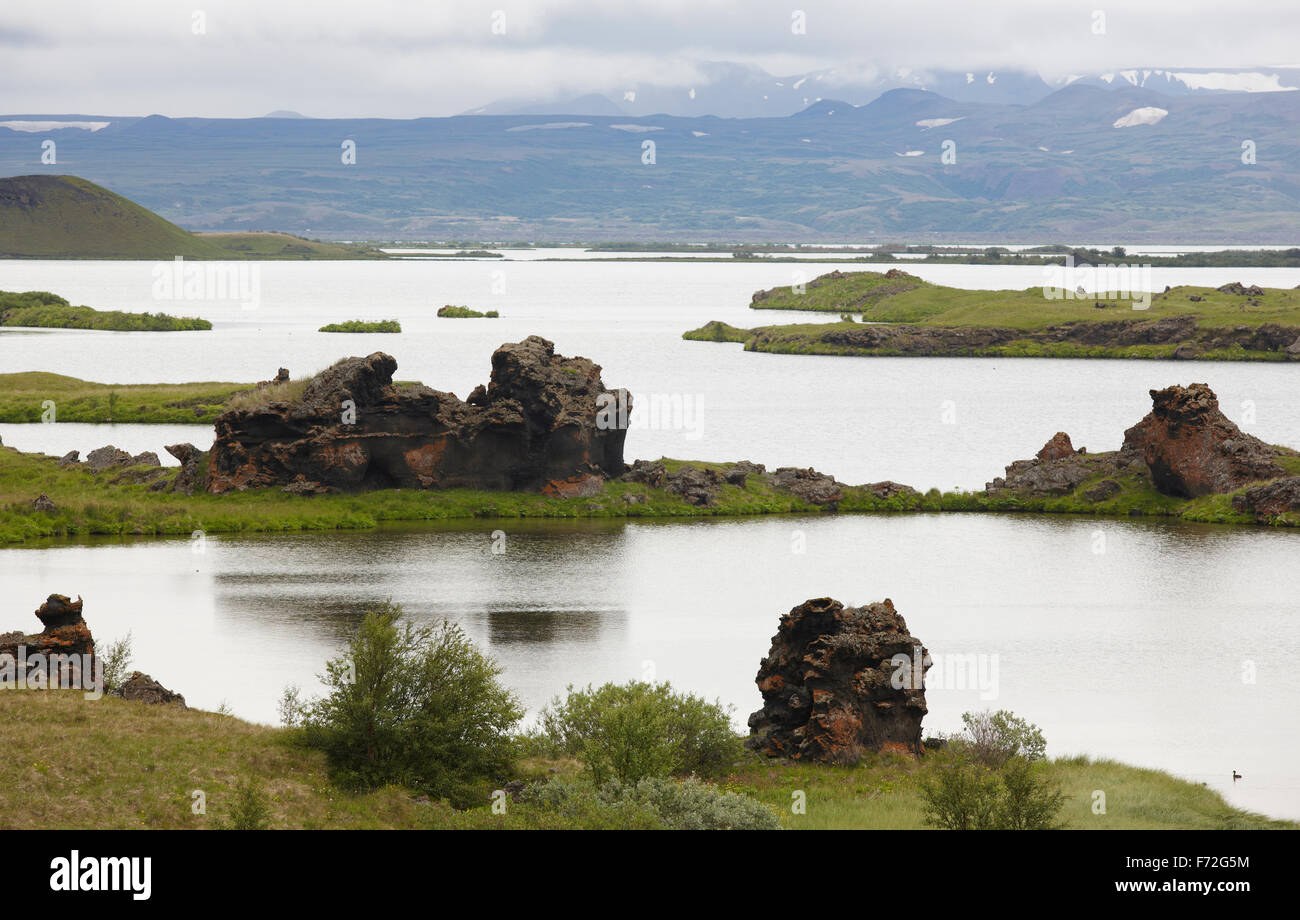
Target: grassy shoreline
110, 763
23, 398
901, 315
120, 502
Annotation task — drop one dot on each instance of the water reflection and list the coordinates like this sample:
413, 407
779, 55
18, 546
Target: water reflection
1121, 638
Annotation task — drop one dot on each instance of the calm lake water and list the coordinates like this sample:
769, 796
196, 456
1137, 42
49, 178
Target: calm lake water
1136, 652
926, 422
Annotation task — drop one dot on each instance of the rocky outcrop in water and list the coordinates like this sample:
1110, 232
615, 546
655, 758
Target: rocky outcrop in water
536, 425
1193, 449
838, 681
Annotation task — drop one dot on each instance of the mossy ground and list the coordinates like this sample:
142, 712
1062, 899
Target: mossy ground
109, 763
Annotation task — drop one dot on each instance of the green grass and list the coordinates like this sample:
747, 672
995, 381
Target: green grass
912, 300
882, 792
23, 398
453, 312
73, 763
357, 325
41, 309
113, 504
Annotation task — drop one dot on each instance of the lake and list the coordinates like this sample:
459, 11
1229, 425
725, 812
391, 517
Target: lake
1136, 652
945, 422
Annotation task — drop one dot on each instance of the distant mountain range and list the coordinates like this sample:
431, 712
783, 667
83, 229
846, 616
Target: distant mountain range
1084, 163
730, 90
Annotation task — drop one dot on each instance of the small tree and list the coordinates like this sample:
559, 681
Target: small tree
116, 661
991, 778
415, 706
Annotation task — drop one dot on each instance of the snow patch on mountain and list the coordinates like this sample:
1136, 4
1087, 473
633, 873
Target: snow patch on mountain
1147, 115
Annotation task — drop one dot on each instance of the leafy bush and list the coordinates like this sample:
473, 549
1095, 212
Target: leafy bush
996, 737
416, 706
634, 730
116, 661
657, 802
991, 777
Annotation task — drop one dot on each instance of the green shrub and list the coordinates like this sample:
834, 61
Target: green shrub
996, 737
652, 802
991, 778
416, 706
634, 730
249, 811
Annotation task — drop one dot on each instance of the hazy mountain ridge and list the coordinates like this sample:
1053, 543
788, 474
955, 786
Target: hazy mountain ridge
731, 90
1056, 169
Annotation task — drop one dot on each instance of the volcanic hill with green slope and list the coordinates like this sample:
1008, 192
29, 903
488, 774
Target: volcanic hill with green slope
65, 217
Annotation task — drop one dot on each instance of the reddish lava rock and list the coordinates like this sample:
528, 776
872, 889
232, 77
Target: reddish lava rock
840, 680
1058, 448
1193, 449
538, 423
65, 633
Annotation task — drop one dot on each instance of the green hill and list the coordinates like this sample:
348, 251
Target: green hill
65, 217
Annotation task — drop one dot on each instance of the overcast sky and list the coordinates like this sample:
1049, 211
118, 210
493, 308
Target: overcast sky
343, 58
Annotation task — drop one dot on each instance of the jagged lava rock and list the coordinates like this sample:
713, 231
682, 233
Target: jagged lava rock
1269, 500
142, 688
1058, 448
65, 633
534, 425
828, 684
1193, 449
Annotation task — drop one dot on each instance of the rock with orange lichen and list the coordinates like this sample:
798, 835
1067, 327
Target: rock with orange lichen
64, 643
543, 422
839, 681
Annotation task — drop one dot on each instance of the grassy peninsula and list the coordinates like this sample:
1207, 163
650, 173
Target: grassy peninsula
121, 502
23, 398
43, 310
113, 763
896, 313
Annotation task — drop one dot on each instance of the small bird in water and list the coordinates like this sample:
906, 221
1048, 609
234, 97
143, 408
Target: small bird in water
1235, 776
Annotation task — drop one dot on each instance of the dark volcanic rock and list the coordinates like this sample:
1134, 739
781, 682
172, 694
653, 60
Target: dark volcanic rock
811, 486
1269, 500
70, 458
833, 688
537, 423
103, 458
142, 688
1193, 449
188, 478
43, 502
65, 633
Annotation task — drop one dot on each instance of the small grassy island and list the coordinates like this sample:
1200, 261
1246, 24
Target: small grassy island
899, 315
357, 325
43, 310
452, 312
